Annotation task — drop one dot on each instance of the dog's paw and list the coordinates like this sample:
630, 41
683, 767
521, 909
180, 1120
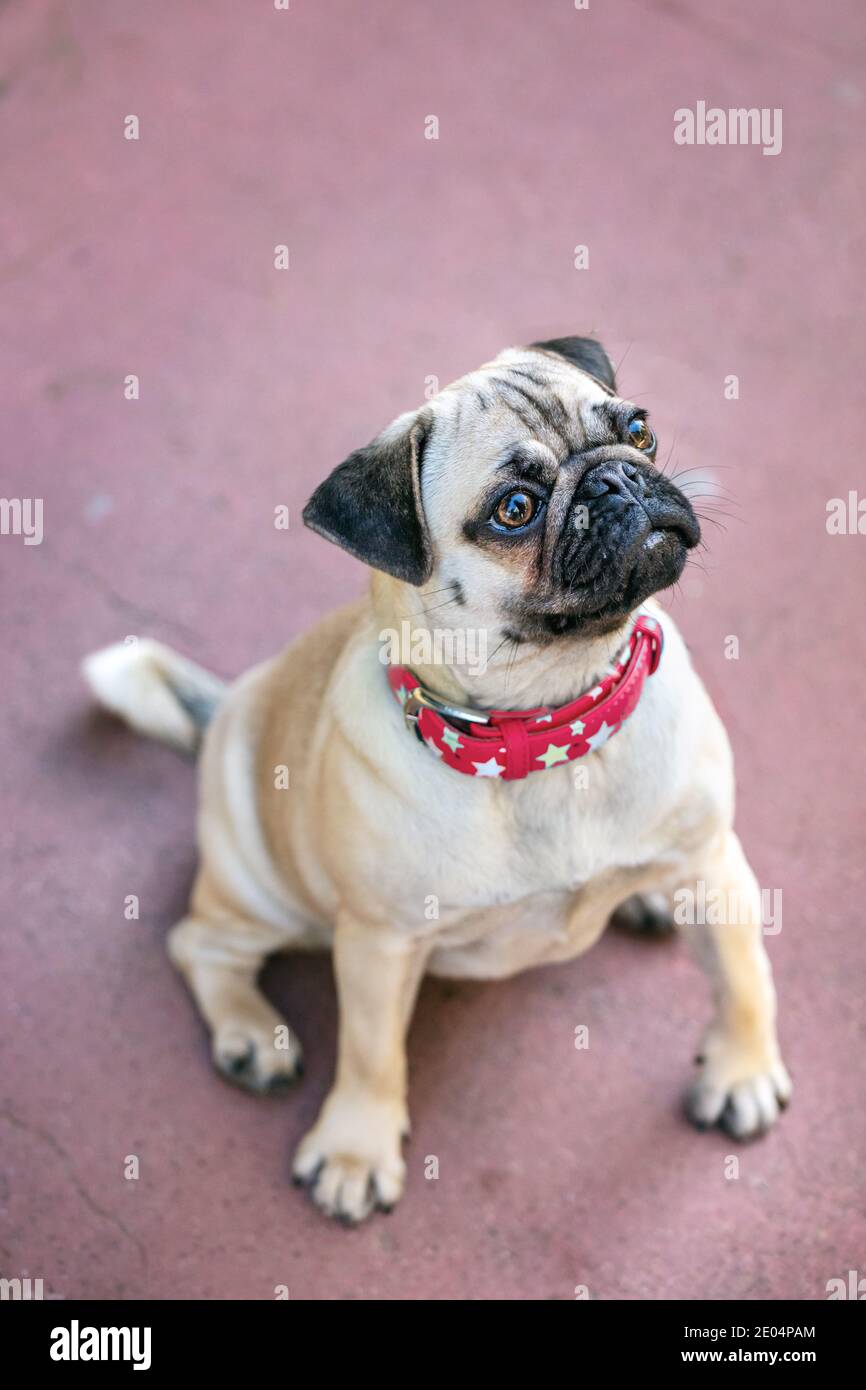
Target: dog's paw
645, 914
261, 1058
744, 1097
351, 1161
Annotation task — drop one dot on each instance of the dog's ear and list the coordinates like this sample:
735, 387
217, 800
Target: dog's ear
371, 504
586, 353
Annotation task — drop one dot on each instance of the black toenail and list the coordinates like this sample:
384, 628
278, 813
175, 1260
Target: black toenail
237, 1065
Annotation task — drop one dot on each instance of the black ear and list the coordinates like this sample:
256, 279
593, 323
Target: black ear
586, 353
371, 505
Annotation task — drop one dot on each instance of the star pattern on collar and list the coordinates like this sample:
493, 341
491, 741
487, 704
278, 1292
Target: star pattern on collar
589, 721
554, 753
489, 769
601, 735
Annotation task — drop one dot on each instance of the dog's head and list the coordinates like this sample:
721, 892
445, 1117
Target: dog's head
528, 489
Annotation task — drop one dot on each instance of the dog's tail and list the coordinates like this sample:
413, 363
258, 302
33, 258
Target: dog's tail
155, 690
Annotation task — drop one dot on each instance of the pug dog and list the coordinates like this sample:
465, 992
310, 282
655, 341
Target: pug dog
459, 817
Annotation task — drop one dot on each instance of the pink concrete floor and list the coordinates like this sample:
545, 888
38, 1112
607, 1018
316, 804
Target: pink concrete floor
412, 258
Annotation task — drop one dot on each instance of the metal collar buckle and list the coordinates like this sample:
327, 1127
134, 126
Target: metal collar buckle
419, 699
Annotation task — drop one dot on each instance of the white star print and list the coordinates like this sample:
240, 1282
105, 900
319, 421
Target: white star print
601, 735
544, 719
578, 726
452, 738
555, 753
596, 692
437, 752
489, 769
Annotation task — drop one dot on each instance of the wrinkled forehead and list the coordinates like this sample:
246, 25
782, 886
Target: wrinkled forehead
528, 399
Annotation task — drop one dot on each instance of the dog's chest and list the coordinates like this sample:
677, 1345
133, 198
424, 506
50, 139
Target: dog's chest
555, 831
563, 835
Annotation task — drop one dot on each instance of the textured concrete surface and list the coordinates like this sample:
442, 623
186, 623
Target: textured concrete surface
411, 258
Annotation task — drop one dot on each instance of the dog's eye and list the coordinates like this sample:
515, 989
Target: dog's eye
641, 436
516, 510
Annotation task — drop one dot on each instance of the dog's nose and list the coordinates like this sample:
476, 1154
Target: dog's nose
616, 476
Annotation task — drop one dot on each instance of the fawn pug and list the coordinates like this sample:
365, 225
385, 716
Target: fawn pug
522, 502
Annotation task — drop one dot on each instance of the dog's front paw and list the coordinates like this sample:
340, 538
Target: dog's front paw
351, 1160
740, 1090
257, 1054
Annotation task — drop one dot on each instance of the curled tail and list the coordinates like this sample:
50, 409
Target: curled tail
155, 690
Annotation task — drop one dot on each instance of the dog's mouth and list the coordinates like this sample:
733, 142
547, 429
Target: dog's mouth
635, 543
660, 534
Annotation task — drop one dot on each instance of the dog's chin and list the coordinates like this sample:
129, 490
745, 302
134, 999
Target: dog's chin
592, 610
659, 564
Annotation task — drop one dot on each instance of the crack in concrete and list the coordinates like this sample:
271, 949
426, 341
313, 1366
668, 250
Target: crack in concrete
48, 1138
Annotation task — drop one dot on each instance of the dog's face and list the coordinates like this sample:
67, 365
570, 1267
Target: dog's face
528, 490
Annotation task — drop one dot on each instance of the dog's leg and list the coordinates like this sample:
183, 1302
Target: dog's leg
352, 1159
220, 959
742, 1082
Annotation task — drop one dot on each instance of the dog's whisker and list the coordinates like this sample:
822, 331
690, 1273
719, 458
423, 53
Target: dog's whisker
617, 369
711, 500
511, 660
700, 475
695, 562
436, 606
499, 647
713, 518
729, 499
715, 521
715, 467
711, 504
669, 455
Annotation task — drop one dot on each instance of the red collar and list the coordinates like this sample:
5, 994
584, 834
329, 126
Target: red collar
512, 743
